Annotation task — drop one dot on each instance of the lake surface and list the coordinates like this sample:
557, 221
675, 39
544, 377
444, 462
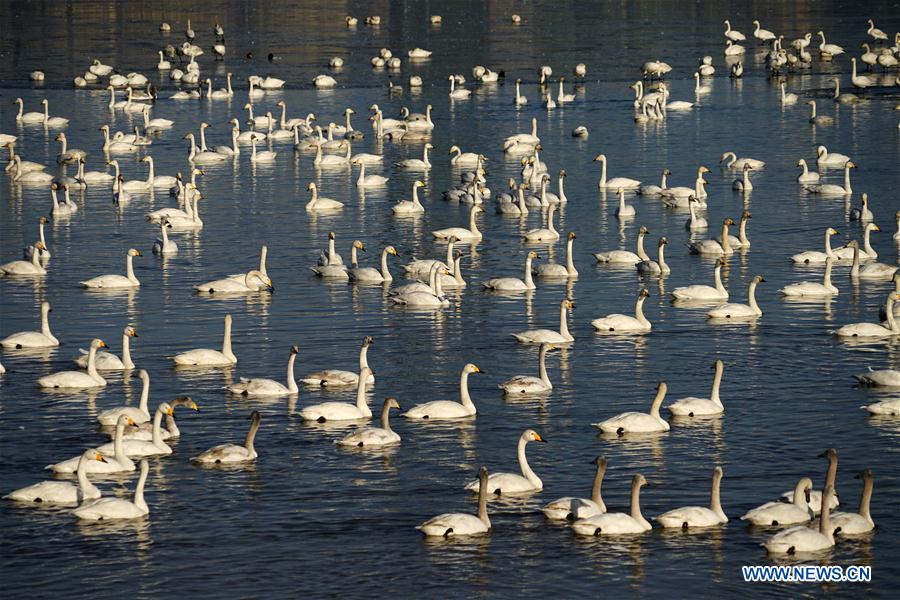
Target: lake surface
308, 518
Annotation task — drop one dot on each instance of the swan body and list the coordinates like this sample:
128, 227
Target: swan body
573, 509
697, 516
374, 437
849, 524
776, 514
874, 330
251, 281
704, 292
557, 271
107, 361
367, 181
462, 524
618, 323
824, 158
257, 387
61, 492
317, 204
206, 357
539, 336
885, 407
505, 484
117, 463
138, 414
740, 311
802, 539
816, 257
117, 282
712, 246
339, 378
409, 207
23, 268
656, 267
33, 339
233, 453
342, 411
137, 448
526, 384
701, 407
638, 422
415, 164
616, 182
372, 275
813, 289
511, 284
882, 378
77, 380
448, 409
118, 509
612, 524
472, 234
624, 257
806, 176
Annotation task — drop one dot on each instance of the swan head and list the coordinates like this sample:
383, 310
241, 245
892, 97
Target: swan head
728, 221
600, 157
419, 184
850, 165
43, 220
166, 409
692, 198
392, 402
873, 227
131, 332
40, 246
391, 250
359, 245
472, 368
748, 167
662, 242
133, 252
97, 343
644, 293
91, 453
746, 215
864, 199
312, 184
330, 235
368, 341
530, 435
295, 349
569, 304
533, 255
758, 279
428, 146
572, 235
643, 230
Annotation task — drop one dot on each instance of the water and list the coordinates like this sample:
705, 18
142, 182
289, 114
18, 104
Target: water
308, 517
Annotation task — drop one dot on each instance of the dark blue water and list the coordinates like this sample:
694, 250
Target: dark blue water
309, 518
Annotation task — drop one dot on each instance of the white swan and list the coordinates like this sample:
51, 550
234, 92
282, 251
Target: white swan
138, 448
655, 190
163, 245
519, 99
658, 266
419, 295
107, 361
860, 81
463, 159
695, 222
62, 492
787, 98
374, 437
776, 514
816, 257
763, 35
206, 357
813, 289
713, 246
338, 270
23, 268
77, 380
607, 523
557, 271
874, 330
530, 139
408, 207
202, 157
233, 453
33, 339
415, 164
251, 281
814, 497
824, 158
368, 181
261, 156
539, 336
802, 539
818, 119
27, 117
732, 161
743, 184
882, 378
624, 257
117, 282
371, 274
448, 409
859, 522
698, 516
638, 422
462, 524
863, 213
117, 509
472, 234
512, 284
701, 293
527, 384
618, 323
337, 377
736, 311
317, 204
616, 182
269, 387
138, 414
867, 252
699, 407
504, 484
571, 508
117, 463
828, 51
806, 176
342, 411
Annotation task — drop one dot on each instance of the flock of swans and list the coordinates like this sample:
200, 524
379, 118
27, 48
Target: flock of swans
137, 433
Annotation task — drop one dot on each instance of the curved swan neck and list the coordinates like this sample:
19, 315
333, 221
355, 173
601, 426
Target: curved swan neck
529, 281
291, 382
523, 465
825, 518
88, 489
662, 257
715, 500
364, 357
45, 319
598, 483
866, 498
826, 280
742, 232
92, 362
563, 322
157, 423
542, 366
657, 401
361, 403
385, 273
642, 254
251, 435
831, 473
639, 310
386, 415
717, 382
717, 275
129, 268
139, 490
473, 227
119, 444
603, 172
636, 503
751, 298
415, 195
522, 208
126, 351
226, 342
867, 241
847, 189
570, 261
891, 320
145, 392
464, 396
726, 241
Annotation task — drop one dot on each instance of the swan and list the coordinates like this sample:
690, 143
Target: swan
461, 159
872, 270
698, 90
787, 98
616, 182
734, 310
339, 270
67, 155
695, 222
17, 166
732, 49
539, 336
526, 384
245, 137
519, 99
115, 282
679, 196
32, 177
704, 292
332, 257
557, 271
371, 274
777, 513
138, 414
367, 181
607, 523
897, 233
268, 387
699, 407
256, 121
706, 67
713, 246
107, 361
867, 252
421, 296
21, 268
883, 378
731, 161
876, 33
115, 509
885, 407
816, 257
574, 509
374, 437
317, 204
763, 35
460, 93
416, 164
472, 234
33, 339
337, 377
117, 463
655, 190
814, 497
324, 81
178, 221
27, 117
448, 409
166, 181
549, 233
342, 411
743, 184
820, 119
861, 521
407, 207
202, 157
802, 539
698, 516
138, 448
154, 125
163, 245
144, 431
806, 176
863, 213
206, 357
257, 282
638, 422
827, 159
92, 176
859, 81
846, 98
501, 484
62, 492
828, 51
232, 453
618, 323
659, 266
261, 156
813, 289
874, 330
529, 139
624, 257
77, 380
422, 267
462, 524
331, 161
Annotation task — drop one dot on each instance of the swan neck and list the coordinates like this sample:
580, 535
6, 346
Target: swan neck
742, 232
464, 396
867, 241
119, 444
657, 402
139, 490
361, 403
716, 384
639, 311
751, 298
636, 504
385, 273
386, 416
251, 436
570, 261
473, 227
825, 518
662, 258
92, 363
126, 351
720, 287
364, 357
715, 500
157, 432
482, 502
85, 486
563, 323
598, 484
542, 366
848, 191
226, 342
866, 499
45, 320
642, 254
524, 466
529, 281
831, 474
291, 382
891, 320
726, 242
